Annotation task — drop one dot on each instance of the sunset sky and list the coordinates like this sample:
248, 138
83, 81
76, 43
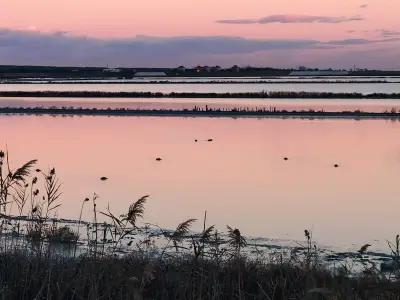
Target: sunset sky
165, 33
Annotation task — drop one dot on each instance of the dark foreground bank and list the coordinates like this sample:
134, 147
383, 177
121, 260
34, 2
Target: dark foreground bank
24, 276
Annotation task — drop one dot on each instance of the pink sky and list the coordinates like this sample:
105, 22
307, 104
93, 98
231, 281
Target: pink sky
171, 18
127, 18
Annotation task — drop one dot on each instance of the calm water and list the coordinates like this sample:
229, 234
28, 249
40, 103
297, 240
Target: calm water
240, 178
365, 88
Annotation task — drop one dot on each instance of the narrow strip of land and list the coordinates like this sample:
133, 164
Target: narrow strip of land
197, 112
265, 81
258, 95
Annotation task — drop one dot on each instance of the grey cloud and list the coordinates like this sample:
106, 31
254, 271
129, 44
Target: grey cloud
349, 42
26, 47
292, 19
389, 33
35, 48
355, 42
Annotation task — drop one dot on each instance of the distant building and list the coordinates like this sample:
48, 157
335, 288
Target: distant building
111, 70
200, 69
150, 74
319, 73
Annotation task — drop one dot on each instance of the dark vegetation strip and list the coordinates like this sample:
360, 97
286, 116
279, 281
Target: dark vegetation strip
197, 82
98, 94
137, 277
243, 112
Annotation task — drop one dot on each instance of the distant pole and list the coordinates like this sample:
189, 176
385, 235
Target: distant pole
204, 223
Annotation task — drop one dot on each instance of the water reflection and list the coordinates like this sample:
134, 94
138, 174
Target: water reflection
365, 88
240, 178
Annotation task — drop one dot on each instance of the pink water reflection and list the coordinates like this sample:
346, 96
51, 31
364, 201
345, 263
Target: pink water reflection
240, 178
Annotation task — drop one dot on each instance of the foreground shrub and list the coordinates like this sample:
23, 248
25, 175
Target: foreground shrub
27, 276
62, 234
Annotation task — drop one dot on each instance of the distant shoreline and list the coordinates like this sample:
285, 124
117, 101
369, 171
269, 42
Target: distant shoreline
196, 112
133, 82
258, 95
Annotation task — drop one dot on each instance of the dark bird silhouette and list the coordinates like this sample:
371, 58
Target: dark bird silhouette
336, 165
195, 140
130, 243
209, 140
285, 158
158, 159
364, 248
103, 178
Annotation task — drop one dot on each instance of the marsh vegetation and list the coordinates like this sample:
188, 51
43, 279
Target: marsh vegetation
120, 256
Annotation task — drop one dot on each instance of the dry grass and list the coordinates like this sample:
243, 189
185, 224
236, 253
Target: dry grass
24, 276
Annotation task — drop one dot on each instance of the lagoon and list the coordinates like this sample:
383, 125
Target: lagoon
240, 177
243, 87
